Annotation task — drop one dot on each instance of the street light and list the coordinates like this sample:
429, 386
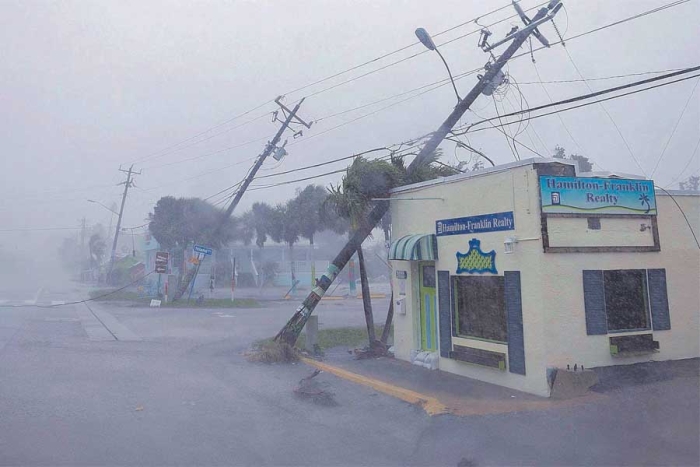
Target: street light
97, 202
427, 41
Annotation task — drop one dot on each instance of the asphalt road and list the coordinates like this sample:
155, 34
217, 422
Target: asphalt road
107, 385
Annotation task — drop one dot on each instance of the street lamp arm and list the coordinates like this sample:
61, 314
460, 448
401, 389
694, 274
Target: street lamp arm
449, 73
97, 202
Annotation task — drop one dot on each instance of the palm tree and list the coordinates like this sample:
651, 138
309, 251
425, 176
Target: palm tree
645, 201
352, 199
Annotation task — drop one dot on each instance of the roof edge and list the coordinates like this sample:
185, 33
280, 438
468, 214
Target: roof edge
482, 172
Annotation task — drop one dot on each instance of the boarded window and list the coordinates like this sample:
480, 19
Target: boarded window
480, 309
626, 299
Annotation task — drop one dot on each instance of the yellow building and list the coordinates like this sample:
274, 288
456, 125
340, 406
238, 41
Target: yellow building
507, 273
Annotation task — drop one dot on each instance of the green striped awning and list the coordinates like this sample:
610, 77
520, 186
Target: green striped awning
414, 248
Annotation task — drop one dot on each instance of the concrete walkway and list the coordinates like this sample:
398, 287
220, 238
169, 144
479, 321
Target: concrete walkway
441, 392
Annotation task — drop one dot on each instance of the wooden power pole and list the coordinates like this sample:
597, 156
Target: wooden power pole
290, 332
128, 183
290, 117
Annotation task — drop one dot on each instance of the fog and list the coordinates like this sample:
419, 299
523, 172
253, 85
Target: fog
87, 87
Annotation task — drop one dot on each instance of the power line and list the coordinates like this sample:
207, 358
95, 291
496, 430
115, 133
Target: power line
81, 301
513, 149
617, 128
335, 75
690, 227
202, 156
648, 12
219, 169
588, 96
374, 60
675, 127
588, 103
692, 156
320, 164
609, 25
40, 229
561, 120
602, 78
444, 82
218, 125
438, 83
181, 148
394, 154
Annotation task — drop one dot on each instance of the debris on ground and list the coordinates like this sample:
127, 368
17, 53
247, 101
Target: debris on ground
465, 462
273, 352
310, 389
375, 350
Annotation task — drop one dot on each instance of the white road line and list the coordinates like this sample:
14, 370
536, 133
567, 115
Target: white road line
38, 293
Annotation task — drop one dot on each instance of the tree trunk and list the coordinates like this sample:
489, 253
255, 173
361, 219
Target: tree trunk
290, 332
390, 313
366, 300
389, 319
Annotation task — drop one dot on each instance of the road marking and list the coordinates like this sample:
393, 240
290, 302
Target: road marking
431, 405
38, 293
58, 302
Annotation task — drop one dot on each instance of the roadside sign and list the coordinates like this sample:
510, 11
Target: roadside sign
203, 250
162, 262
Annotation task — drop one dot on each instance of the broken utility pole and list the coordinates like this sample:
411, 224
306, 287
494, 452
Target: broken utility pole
290, 117
290, 332
127, 184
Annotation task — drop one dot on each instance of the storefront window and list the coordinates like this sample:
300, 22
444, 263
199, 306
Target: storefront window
626, 301
479, 307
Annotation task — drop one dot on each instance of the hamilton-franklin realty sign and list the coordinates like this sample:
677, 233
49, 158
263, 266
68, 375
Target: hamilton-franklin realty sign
475, 224
597, 196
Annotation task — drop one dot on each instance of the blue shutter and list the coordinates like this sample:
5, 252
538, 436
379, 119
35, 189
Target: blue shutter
514, 320
594, 301
658, 299
445, 311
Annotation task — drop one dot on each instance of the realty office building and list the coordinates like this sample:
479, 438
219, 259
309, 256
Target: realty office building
508, 273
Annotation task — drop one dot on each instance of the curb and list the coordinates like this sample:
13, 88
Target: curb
430, 405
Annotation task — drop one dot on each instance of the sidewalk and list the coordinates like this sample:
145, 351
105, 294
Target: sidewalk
438, 392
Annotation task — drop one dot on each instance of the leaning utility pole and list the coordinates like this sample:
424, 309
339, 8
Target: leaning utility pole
127, 184
83, 255
491, 79
290, 117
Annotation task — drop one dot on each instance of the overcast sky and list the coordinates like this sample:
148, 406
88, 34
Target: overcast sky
87, 86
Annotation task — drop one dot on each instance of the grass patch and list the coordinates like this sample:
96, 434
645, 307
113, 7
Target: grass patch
333, 337
111, 295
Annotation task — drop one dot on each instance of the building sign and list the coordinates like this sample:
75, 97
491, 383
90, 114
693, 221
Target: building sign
475, 260
475, 224
161, 262
597, 196
202, 250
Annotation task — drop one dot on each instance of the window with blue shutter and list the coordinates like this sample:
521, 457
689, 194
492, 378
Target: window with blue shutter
658, 300
514, 320
594, 302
